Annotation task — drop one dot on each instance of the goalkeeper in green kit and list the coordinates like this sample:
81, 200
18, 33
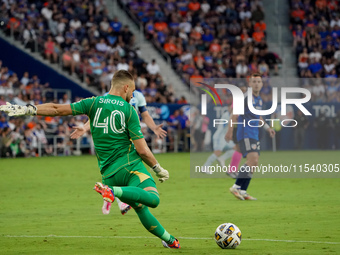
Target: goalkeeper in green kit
120, 148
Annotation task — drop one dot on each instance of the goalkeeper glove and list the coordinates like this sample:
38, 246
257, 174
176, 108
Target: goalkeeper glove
18, 110
160, 172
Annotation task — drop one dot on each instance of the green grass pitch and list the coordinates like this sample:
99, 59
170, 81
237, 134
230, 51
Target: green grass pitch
47, 206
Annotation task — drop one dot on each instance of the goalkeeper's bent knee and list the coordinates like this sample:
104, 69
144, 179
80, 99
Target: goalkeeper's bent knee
154, 200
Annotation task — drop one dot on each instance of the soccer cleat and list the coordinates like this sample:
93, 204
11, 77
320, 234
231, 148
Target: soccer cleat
124, 208
236, 193
105, 191
248, 197
106, 207
175, 244
99, 187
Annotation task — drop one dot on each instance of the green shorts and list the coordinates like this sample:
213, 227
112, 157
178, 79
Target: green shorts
134, 175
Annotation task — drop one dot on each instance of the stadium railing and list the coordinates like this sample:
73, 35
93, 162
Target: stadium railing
76, 147
64, 148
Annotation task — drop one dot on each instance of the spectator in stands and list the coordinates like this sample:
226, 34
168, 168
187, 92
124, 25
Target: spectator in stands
335, 21
116, 25
258, 34
331, 90
271, 59
2, 100
257, 13
50, 50
244, 13
263, 68
6, 140
297, 15
65, 99
41, 141
315, 54
241, 69
261, 25
76, 60
96, 66
205, 6
102, 46
153, 67
127, 37
329, 66
182, 100
323, 23
234, 28
329, 52
315, 68
303, 60
25, 79
3, 122
29, 37
299, 36
170, 48
122, 65
67, 59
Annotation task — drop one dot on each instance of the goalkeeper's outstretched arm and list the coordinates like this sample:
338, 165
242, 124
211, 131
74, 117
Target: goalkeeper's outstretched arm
48, 109
51, 109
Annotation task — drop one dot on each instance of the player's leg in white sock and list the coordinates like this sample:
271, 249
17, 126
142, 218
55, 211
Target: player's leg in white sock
210, 160
228, 154
119, 203
235, 186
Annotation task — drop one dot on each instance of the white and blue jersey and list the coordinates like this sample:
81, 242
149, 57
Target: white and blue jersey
137, 101
219, 143
246, 131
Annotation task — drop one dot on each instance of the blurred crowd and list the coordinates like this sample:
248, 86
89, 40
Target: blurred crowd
208, 38
316, 30
38, 136
33, 136
44, 136
81, 36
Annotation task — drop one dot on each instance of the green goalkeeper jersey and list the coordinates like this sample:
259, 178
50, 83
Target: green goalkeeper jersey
114, 124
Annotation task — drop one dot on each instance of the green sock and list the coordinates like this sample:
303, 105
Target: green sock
137, 195
134, 195
152, 225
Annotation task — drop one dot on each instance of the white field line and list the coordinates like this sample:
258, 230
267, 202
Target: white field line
146, 237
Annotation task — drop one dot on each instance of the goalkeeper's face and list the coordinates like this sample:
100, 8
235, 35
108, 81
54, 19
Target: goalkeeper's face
129, 91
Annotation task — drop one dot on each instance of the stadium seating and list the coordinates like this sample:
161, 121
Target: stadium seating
27, 136
207, 38
316, 30
83, 40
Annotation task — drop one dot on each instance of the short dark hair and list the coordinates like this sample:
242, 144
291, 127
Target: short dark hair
255, 75
120, 77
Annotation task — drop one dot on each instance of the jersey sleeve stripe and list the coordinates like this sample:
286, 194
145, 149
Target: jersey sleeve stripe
94, 100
